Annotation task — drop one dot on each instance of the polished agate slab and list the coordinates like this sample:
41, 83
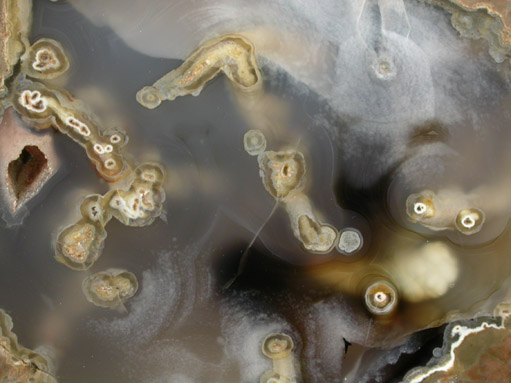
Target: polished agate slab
274, 191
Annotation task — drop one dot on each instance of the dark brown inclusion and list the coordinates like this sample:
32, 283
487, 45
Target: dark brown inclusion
23, 171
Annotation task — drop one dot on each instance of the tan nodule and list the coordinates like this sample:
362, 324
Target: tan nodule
282, 172
110, 288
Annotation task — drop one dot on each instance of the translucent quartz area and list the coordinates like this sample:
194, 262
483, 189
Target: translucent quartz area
396, 135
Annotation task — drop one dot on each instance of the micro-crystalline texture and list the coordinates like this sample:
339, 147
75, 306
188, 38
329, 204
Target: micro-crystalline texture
476, 350
110, 288
78, 246
17, 363
15, 20
489, 19
231, 54
282, 172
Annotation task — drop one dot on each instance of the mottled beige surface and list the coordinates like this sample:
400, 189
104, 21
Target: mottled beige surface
500, 9
18, 364
15, 18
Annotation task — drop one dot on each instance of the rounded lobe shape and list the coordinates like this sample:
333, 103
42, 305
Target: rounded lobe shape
149, 97
420, 206
254, 142
282, 172
143, 201
470, 221
79, 245
381, 298
316, 237
350, 241
110, 288
271, 376
277, 346
45, 60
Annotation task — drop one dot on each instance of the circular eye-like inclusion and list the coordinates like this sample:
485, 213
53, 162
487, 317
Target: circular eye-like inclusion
254, 142
149, 97
282, 172
420, 206
45, 60
470, 221
277, 346
381, 298
350, 241
384, 68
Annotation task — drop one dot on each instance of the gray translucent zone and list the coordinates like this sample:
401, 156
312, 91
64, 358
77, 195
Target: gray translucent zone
198, 134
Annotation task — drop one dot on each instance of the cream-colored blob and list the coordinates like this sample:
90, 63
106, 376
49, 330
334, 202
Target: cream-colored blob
142, 203
314, 236
80, 245
279, 348
423, 273
282, 172
77, 242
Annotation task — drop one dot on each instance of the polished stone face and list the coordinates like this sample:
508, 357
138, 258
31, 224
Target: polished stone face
336, 191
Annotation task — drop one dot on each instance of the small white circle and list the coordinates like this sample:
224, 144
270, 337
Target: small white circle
468, 222
109, 164
99, 149
419, 208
